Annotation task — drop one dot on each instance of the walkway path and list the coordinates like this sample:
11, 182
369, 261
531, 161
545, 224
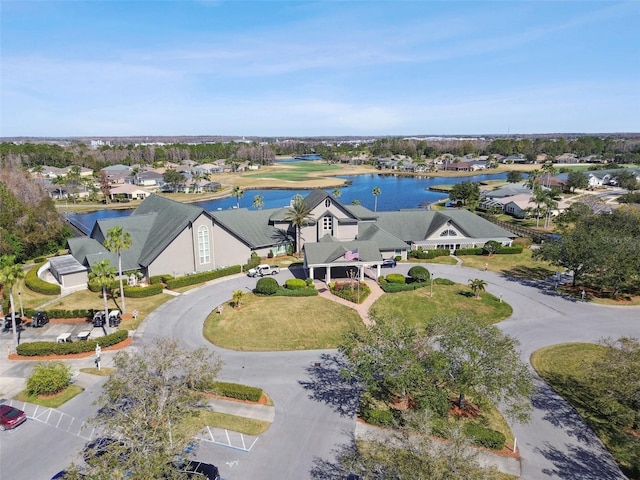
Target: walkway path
361, 308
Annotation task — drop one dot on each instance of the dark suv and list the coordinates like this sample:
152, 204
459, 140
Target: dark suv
197, 470
39, 319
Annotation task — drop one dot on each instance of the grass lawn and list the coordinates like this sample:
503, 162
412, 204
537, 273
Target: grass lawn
417, 307
53, 401
102, 372
281, 323
248, 426
564, 368
520, 265
294, 171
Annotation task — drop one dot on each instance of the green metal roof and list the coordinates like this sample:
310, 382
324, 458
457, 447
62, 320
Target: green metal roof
326, 252
251, 226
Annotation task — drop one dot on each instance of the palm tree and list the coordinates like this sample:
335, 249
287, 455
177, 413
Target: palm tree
539, 195
258, 202
336, 193
549, 170
116, 241
376, 192
103, 274
299, 214
477, 285
238, 193
10, 273
237, 297
356, 202
532, 179
550, 202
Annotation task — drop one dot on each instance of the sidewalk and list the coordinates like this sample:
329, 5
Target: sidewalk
362, 308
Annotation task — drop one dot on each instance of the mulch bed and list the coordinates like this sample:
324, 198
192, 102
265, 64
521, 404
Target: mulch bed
123, 344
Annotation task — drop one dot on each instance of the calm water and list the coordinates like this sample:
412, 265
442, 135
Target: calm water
395, 193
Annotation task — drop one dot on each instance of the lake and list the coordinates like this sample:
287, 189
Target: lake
396, 193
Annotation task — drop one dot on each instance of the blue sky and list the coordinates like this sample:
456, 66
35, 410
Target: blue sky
284, 69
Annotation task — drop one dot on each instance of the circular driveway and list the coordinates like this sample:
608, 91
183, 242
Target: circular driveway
315, 409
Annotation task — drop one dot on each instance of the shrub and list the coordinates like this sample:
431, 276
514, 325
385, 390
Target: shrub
267, 286
112, 287
40, 349
156, 279
39, 260
140, 292
77, 313
48, 378
469, 251
201, 277
235, 390
396, 278
418, 273
484, 437
381, 418
309, 282
491, 247
33, 282
295, 283
443, 281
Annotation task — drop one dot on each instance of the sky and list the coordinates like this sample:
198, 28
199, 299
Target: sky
318, 68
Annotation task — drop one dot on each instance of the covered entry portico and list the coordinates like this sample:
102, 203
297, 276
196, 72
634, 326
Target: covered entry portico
334, 259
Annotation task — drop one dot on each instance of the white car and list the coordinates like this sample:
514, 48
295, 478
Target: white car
262, 270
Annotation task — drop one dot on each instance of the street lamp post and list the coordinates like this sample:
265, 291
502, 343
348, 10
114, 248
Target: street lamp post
431, 285
21, 309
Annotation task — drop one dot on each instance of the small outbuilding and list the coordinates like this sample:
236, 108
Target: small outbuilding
69, 273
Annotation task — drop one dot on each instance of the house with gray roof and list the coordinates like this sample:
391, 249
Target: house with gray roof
178, 239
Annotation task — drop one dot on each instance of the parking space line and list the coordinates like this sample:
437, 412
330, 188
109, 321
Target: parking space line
235, 440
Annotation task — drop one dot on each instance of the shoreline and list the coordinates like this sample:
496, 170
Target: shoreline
322, 180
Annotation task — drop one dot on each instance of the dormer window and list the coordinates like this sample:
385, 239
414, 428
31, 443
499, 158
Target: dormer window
327, 203
449, 233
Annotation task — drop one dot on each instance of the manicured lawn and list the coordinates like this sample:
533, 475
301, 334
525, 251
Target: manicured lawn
417, 307
102, 372
248, 426
564, 368
281, 323
520, 265
295, 171
51, 402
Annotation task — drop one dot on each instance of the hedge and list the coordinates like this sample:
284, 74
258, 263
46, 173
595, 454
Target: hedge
60, 313
427, 254
202, 277
155, 279
485, 437
401, 287
443, 281
33, 282
140, 292
235, 390
469, 251
295, 283
38, 349
298, 292
114, 285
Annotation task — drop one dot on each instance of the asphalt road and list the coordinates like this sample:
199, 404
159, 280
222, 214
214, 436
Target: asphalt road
315, 407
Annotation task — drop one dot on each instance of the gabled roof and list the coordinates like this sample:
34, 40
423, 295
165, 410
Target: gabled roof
81, 247
140, 228
172, 218
326, 252
252, 227
382, 238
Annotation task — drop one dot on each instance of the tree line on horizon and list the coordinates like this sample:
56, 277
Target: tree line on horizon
32, 154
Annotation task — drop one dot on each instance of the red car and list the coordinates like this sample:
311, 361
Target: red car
11, 417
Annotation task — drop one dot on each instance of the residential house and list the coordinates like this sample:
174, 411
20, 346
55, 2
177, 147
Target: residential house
129, 192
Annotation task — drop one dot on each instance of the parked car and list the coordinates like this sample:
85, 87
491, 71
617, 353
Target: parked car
198, 470
11, 417
114, 318
262, 270
98, 319
39, 319
8, 322
65, 474
389, 262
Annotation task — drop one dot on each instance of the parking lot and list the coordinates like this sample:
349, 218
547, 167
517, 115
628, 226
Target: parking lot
58, 329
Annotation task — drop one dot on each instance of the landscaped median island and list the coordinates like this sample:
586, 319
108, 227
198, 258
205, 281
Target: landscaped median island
601, 382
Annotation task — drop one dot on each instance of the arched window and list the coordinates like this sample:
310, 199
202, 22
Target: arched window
203, 245
449, 233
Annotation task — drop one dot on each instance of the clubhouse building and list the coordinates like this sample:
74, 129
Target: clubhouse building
169, 237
